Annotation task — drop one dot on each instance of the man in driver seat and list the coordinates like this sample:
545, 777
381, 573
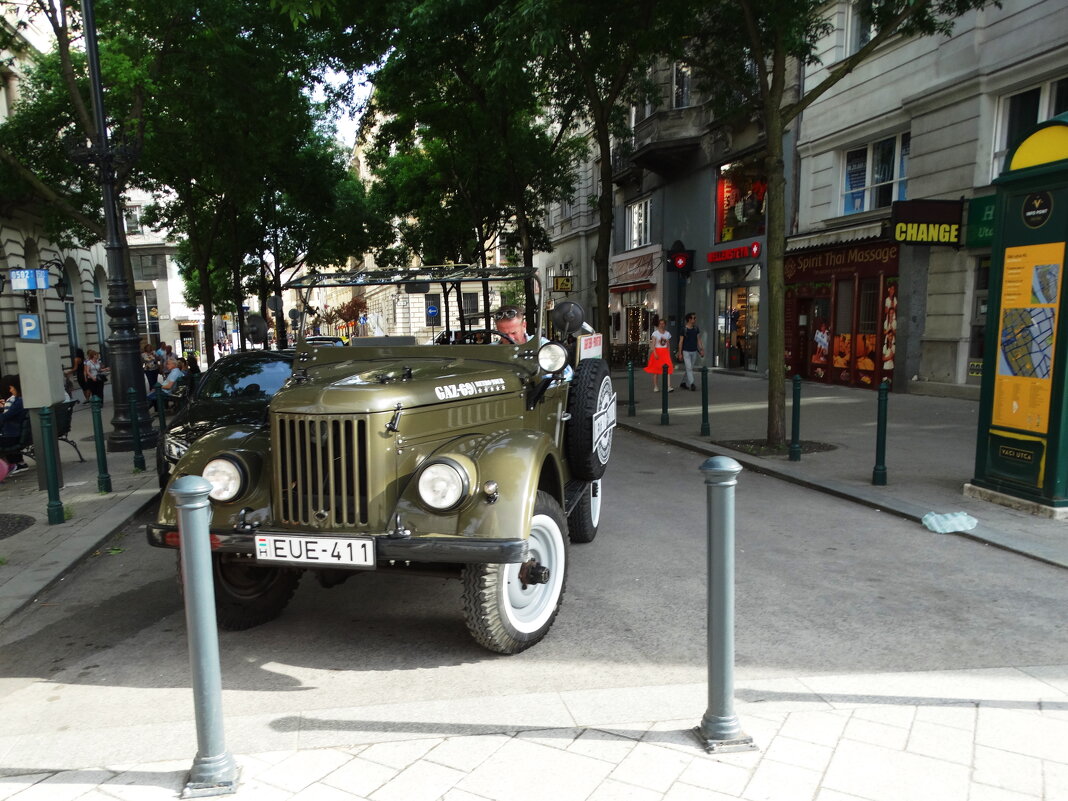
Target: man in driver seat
512, 322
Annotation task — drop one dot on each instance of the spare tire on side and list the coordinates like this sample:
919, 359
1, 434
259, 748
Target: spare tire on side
591, 402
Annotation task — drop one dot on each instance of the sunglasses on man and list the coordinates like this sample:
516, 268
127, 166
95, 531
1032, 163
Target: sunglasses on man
508, 314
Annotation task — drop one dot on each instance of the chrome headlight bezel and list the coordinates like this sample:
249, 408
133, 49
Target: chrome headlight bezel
443, 484
552, 357
228, 478
174, 448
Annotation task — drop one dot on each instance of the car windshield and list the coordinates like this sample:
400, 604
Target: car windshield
254, 379
428, 305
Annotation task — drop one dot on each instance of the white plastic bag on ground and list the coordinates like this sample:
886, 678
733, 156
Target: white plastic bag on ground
949, 522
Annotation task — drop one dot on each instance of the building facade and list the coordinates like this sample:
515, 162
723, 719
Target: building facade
69, 311
690, 185
920, 120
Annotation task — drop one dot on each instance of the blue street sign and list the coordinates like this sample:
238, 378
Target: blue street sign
363, 319
30, 327
431, 311
22, 280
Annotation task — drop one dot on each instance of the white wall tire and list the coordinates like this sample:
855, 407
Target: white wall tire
585, 517
501, 613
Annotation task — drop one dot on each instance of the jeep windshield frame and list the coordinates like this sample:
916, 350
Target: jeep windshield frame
449, 278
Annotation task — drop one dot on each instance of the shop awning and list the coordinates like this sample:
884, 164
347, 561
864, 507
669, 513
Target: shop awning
871, 230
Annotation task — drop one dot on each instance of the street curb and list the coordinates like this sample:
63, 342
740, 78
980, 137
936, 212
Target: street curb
903, 509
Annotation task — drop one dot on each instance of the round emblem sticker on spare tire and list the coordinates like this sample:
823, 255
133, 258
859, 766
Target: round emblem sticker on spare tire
604, 421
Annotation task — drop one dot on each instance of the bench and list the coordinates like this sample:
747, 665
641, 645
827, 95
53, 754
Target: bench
62, 416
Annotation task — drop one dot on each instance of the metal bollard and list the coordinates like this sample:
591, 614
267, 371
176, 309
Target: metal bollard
55, 505
704, 402
795, 437
664, 393
214, 770
878, 475
630, 390
719, 731
135, 430
103, 480
161, 410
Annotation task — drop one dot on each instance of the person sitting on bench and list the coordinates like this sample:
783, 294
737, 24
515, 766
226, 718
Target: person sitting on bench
166, 383
11, 419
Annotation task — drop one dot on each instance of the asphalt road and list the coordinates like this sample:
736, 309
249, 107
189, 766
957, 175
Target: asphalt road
823, 586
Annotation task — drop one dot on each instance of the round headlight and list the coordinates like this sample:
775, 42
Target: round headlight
442, 485
226, 477
552, 357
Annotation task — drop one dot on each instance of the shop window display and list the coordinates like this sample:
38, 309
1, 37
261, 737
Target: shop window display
741, 202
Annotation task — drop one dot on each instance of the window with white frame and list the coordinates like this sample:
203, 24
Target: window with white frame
859, 29
874, 175
1019, 112
682, 83
638, 223
133, 219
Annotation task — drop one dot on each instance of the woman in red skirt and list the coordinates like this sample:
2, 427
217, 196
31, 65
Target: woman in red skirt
660, 355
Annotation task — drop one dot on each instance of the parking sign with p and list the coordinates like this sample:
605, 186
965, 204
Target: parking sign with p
30, 327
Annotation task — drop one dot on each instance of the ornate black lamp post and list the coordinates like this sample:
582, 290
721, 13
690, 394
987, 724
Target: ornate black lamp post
124, 340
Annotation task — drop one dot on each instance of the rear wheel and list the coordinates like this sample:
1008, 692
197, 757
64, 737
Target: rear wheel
509, 608
247, 594
585, 517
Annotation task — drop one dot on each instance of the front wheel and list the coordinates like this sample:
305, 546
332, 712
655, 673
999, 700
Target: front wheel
510, 607
247, 594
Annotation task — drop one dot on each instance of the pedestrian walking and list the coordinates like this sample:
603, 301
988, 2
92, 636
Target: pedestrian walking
149, 365
691, 345
77, 372
95, 374
660, 355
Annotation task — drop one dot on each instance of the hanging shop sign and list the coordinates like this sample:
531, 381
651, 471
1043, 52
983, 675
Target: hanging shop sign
980, 231
563, 283
927, 222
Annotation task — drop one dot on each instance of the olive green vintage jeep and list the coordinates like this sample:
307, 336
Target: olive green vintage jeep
433, 450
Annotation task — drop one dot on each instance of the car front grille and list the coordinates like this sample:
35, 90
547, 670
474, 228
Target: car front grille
320, 469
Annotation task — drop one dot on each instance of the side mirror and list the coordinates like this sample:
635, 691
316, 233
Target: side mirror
568, 318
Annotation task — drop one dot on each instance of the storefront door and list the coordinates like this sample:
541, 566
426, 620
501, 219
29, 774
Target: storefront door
737, 317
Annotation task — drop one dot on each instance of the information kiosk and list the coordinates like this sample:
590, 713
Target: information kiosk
1022, 446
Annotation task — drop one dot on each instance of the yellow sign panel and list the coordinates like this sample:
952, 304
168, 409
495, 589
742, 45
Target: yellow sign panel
563, 283
1030, 298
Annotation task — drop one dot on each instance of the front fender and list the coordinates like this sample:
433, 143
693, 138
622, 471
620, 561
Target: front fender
520, 462
248, 444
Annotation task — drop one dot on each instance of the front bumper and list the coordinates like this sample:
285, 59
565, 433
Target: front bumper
432, 550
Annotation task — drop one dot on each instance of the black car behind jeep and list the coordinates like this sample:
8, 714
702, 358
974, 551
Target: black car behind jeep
234, 390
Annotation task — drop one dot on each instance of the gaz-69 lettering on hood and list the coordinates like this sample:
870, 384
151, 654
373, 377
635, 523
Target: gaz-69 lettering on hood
473, 446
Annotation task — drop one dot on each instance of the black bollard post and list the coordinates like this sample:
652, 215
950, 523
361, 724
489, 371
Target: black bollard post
135, 430
878, 475
664, 392
214, 770
103, 480
720, 730
704, 402
630, 390
795, 438
55, 505
161, 410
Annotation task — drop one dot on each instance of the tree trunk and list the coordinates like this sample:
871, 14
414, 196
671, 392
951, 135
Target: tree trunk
604, 227
776, 223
